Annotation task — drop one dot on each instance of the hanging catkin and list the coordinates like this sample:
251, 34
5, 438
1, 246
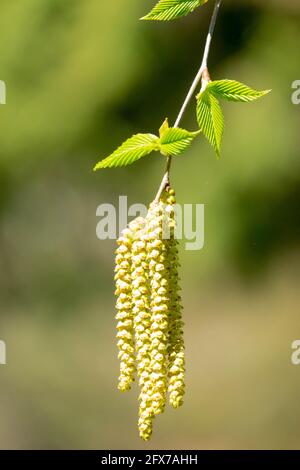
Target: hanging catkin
124, 315
159, 305
150, 336
142, 325
176, 355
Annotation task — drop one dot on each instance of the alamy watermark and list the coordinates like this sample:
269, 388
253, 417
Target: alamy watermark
189, 221
2, 92
295, 357
2, 352
296, 94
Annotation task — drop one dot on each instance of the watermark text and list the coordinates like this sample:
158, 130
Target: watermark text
2, 352
296, 93
295, 357
2, 92
189, 221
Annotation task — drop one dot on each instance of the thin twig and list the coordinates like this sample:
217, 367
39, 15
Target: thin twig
200, 73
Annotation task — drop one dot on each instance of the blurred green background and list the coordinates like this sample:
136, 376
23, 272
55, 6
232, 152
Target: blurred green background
81, 77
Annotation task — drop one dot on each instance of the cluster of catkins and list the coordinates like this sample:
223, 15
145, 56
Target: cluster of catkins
149, 312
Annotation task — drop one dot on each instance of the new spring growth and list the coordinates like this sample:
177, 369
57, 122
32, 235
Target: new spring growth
149, 312
173, 141
149, 328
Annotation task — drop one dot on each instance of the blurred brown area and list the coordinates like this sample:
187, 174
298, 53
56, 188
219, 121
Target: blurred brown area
81, 77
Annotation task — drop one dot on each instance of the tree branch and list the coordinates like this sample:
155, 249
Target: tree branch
202, 71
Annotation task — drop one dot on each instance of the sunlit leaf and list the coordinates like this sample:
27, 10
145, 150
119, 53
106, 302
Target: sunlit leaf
174, 141
133, 149
210, 119
166, 10
232, 90
164, 127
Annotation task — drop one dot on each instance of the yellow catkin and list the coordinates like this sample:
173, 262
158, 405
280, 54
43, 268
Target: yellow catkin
159, 306
125, 334
150, 327
176, 354
142, 325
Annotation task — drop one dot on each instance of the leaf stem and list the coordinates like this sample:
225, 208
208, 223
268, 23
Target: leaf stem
202, 70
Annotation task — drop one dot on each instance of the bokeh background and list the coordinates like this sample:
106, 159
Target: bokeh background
81, 77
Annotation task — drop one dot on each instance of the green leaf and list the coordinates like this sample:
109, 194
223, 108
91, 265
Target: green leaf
175, 140
232, 90
164, 127
133, 149
166, 10
210, 119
